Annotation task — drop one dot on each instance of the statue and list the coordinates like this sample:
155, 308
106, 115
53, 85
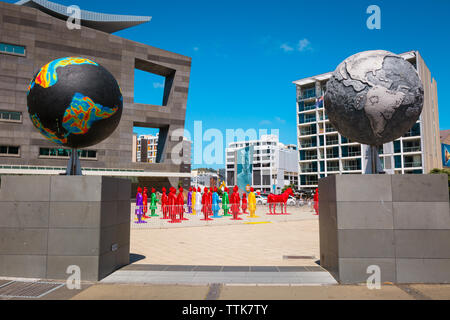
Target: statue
153, 202
139, 206
374, 97
193, 197
76, 103
252, 203
164, 203
225, 203
215, 204
281, 199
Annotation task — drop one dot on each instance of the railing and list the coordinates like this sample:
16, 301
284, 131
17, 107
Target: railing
332, 168
354, 154
308, 170
332, 155
351, 168
308, 120
306, 145
413, 164
331, 142
307, 94
311, 157
411, 149
307, 132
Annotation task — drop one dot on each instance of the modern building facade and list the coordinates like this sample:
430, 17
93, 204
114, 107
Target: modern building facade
33, 33
323, 151
274, 164
147, 148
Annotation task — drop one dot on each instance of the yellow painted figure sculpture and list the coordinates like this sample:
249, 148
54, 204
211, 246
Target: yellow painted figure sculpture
193, 201
252, 204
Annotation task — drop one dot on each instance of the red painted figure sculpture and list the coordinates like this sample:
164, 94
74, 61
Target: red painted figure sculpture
145, 203
164, 202
205, 203
244, 203
172, 205
274, 199
235, 201
180, 202
316, 202
210, 193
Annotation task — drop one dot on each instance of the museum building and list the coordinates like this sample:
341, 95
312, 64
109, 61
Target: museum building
35, 32
323, 151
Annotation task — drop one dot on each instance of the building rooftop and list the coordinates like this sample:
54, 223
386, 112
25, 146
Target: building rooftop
325, 76
108, 23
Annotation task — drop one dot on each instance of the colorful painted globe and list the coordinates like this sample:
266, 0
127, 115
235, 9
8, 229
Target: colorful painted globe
74, 102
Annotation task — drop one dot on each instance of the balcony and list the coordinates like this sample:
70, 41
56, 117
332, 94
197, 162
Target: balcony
308, 93
308, 170
411, 149
413, 164
311, 157
351, 167
330, 129
332, 141
332, 155
354, 154
307, 145
333, 168
307, 132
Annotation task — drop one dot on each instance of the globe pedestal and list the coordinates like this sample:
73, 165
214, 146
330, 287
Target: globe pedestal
398, 223
74, 165
48, 223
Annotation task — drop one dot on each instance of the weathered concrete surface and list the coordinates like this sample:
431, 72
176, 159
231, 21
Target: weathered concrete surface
49, 223
400, 223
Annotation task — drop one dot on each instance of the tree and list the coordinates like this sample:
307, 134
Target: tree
442, 171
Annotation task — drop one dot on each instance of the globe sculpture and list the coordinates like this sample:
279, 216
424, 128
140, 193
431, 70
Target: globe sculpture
74, 102
374, 97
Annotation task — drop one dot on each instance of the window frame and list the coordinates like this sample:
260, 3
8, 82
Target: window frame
10, 120
13, 155
14, 53
40, 156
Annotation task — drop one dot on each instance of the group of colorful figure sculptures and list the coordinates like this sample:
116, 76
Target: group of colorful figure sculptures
173, 205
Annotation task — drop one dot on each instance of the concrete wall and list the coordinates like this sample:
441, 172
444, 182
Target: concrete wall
399, 222
47, 38
49, 223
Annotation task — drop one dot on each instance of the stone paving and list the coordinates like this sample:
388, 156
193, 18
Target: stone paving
225, 242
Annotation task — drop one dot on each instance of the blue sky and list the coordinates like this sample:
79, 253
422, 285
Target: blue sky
245, 54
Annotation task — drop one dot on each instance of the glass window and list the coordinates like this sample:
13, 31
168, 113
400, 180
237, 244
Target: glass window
9, 150
10, 115
12, 49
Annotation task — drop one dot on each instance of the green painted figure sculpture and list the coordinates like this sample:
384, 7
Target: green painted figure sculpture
225, 203
153, 202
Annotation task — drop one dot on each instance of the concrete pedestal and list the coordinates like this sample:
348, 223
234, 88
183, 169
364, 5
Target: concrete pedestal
48, 223
400, 223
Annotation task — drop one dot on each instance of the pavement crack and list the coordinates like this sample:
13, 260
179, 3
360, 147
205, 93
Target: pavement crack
214, 291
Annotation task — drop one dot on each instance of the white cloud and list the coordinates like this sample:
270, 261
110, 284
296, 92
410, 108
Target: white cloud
286, 48
279, 120
196, 48
265, 123
158, 85
303, 45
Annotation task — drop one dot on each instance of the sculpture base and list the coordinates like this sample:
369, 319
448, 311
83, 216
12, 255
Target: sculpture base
48, 223
400, 223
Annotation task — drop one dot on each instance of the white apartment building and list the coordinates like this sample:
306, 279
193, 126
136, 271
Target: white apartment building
274, 164
146, 148
323, 151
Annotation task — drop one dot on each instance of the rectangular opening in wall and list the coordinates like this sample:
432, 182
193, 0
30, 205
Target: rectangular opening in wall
145, 144
152, 83
9, 151
56, 153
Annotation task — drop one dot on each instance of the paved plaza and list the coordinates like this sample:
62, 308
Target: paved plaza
270, 240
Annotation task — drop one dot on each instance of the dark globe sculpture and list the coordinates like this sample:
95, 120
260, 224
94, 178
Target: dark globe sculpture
74, 102
374, 97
